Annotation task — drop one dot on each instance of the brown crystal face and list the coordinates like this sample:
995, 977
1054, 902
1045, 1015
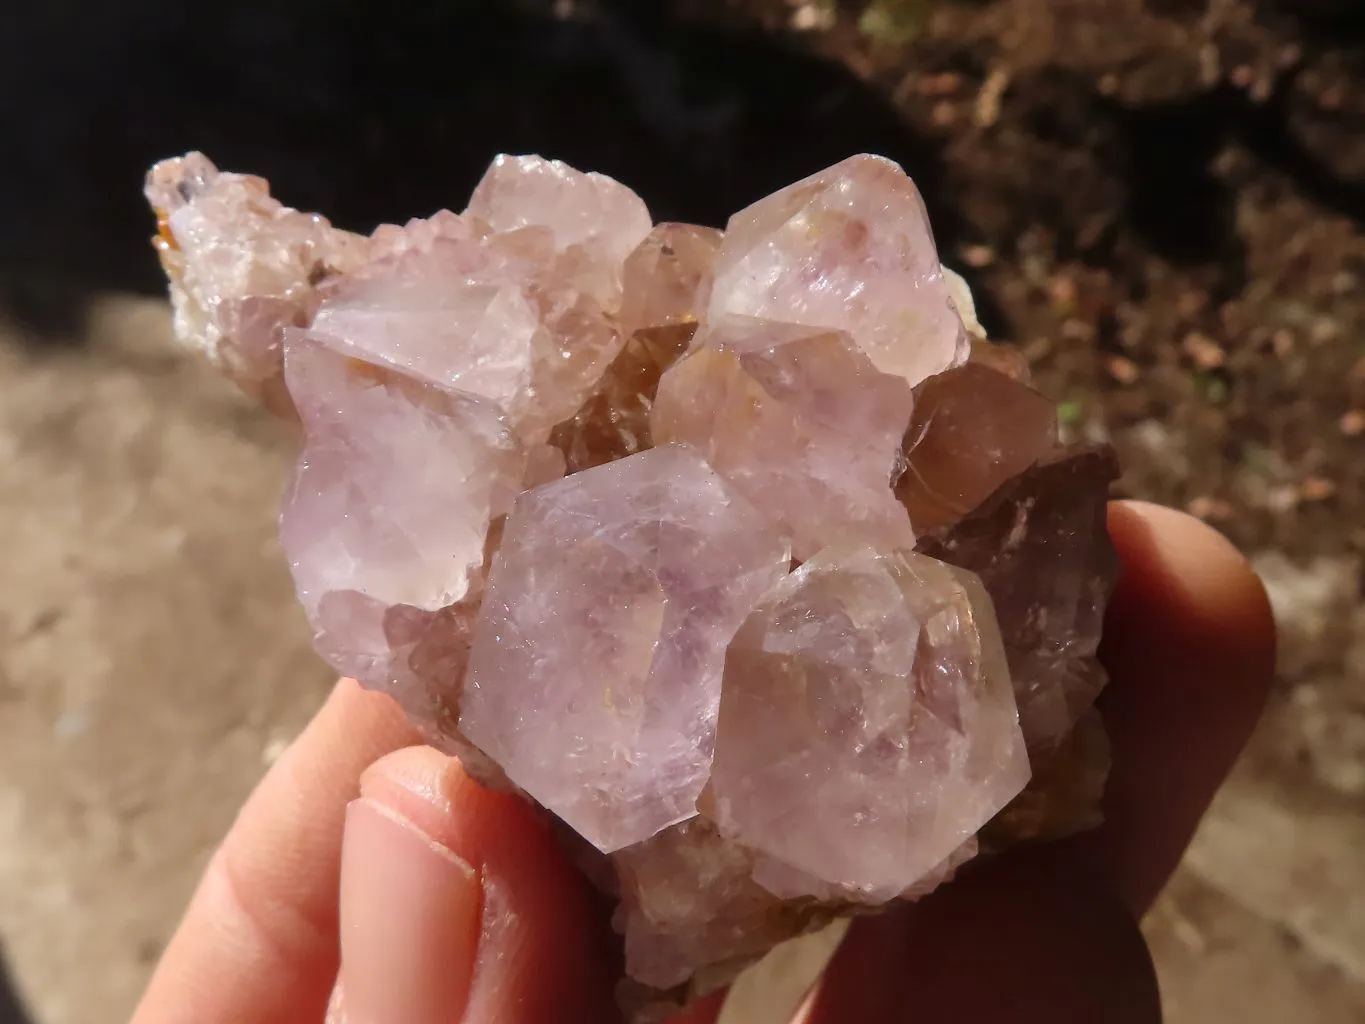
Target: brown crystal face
668, 277
665, 279
614, 421
973, 429
1042, 550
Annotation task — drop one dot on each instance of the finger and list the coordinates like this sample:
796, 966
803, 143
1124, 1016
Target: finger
1020, 940
458, 904
1189, 644
258, 944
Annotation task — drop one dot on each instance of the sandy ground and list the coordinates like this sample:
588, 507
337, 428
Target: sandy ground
151, 657
152, 663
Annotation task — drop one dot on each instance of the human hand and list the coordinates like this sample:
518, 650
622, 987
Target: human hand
369, 865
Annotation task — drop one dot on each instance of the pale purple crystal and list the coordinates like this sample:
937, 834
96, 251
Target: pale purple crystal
596, 667
849, 248
386, 520
243, 267
580, 209
800, 422
867, 725
492, 317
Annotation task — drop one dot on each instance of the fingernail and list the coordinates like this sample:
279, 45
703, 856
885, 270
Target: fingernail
410, 921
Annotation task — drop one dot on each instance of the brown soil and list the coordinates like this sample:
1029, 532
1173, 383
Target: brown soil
1160, 200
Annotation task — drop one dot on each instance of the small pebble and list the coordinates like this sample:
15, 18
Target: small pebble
1206, 353
1317, 488
1122, 369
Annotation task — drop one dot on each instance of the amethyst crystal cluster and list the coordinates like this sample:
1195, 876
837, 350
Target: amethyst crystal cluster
740, 552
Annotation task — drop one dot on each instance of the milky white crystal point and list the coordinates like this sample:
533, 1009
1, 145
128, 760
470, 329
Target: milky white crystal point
802, 424
867, 725
962, 300
849, 248
243, 268
596, 666
581, 209
386, 520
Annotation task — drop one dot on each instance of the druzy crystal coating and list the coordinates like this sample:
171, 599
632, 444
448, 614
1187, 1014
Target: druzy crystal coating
741, 552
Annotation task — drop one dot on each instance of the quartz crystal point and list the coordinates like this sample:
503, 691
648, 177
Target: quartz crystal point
973, 429
596, 668
667, 277
1041, 547
557, 463
498, 317
580, 209
965, 305
242, 267
387, 518
874, 687
664, 280
800, 421
849, 248
613, 421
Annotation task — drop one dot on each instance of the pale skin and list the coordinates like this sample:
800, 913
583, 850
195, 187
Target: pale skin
363, 863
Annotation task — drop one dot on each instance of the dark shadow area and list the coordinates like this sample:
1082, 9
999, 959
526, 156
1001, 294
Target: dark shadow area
1266, 131
1334, 22
375, 112
11, 1009
1175, 202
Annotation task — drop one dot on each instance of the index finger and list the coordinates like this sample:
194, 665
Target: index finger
259, 944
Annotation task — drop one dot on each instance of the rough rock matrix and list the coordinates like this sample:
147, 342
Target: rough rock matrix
743, 553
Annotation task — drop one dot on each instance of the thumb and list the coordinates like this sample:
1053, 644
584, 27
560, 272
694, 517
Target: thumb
456, 904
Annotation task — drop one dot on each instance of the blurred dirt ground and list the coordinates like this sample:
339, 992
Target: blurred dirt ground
152, 659
1160, 200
